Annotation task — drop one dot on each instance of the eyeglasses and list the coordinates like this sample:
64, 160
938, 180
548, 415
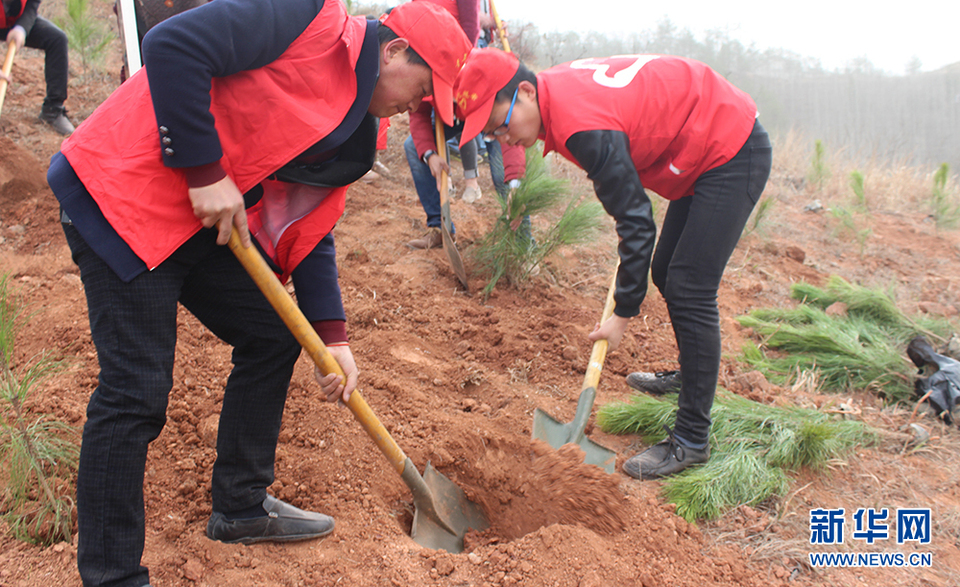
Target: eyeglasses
502, 129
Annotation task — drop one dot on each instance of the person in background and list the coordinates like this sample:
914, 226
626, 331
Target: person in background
507, 166
668, 124
222, 130
21, 25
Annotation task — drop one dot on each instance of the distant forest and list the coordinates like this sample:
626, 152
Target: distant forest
910, 119
907, 119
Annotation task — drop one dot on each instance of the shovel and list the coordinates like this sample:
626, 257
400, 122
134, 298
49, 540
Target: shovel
442, 512
557, 434
445, 222
7, 66
500, 28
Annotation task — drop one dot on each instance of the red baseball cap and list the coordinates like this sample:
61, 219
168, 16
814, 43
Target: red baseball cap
437, 37
487, 71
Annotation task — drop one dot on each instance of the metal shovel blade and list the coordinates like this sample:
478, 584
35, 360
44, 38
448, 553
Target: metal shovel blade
557, 434
450, 247
443, 514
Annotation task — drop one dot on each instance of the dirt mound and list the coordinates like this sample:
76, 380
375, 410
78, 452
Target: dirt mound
26, 202
22, 176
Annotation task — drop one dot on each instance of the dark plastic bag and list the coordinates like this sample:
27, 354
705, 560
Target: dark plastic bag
943, 385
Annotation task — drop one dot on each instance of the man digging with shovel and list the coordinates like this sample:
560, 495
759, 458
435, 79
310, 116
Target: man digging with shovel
250, 115
644, 121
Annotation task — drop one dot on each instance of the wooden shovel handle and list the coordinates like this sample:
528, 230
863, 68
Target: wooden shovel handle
599, 353
500, 31
442, 152
301, 329
7, 66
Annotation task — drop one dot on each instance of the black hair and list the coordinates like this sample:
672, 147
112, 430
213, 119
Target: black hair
523, 75
385, 34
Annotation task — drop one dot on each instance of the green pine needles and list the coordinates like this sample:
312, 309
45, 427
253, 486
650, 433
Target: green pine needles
37, 454
514, 247
819, 171
88, 36
865, 348
753, 448
946, 210
859, 190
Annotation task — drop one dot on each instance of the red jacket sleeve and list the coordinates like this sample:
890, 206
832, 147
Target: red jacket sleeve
514, 161
469, 18
422, 130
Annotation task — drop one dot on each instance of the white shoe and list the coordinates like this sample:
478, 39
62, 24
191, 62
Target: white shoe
471, 194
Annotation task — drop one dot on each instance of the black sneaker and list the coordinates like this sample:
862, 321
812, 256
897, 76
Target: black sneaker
659, 383
56, 117
669, 457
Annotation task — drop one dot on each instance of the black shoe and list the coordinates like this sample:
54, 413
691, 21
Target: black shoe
283, 523
659, 383
56, 116
664, 459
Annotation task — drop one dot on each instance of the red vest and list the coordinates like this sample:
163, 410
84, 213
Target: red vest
681, 117
7, 22
116, 151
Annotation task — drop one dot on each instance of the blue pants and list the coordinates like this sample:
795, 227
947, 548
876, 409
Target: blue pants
426, 184
134, 328
698, 236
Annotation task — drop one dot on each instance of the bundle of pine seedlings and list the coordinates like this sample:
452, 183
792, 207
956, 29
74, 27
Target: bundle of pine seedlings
535, 220
861, 348
753, 447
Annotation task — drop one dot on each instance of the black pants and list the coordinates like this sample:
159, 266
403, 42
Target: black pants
134, 327
698, 236
53, 42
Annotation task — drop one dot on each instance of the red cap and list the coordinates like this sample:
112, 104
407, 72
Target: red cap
487, 71
437, 37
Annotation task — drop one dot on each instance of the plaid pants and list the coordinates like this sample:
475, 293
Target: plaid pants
134, 328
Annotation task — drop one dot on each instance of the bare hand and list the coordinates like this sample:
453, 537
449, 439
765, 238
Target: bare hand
17, 35
221, 204
436, 165
612, 330
332, 385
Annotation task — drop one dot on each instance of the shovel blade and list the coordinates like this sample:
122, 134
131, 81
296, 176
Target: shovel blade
450, 247
443, 522
550, 430
556, 434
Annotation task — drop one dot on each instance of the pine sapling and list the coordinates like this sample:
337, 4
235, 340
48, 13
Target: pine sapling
37, 452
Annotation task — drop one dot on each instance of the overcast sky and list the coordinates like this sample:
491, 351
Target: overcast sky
834, 31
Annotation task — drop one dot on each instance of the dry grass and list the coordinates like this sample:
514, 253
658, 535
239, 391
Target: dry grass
890, 187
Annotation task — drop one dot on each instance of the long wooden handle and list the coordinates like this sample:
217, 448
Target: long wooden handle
7, 66
298, 324
599, 353
442, 152
500, 29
